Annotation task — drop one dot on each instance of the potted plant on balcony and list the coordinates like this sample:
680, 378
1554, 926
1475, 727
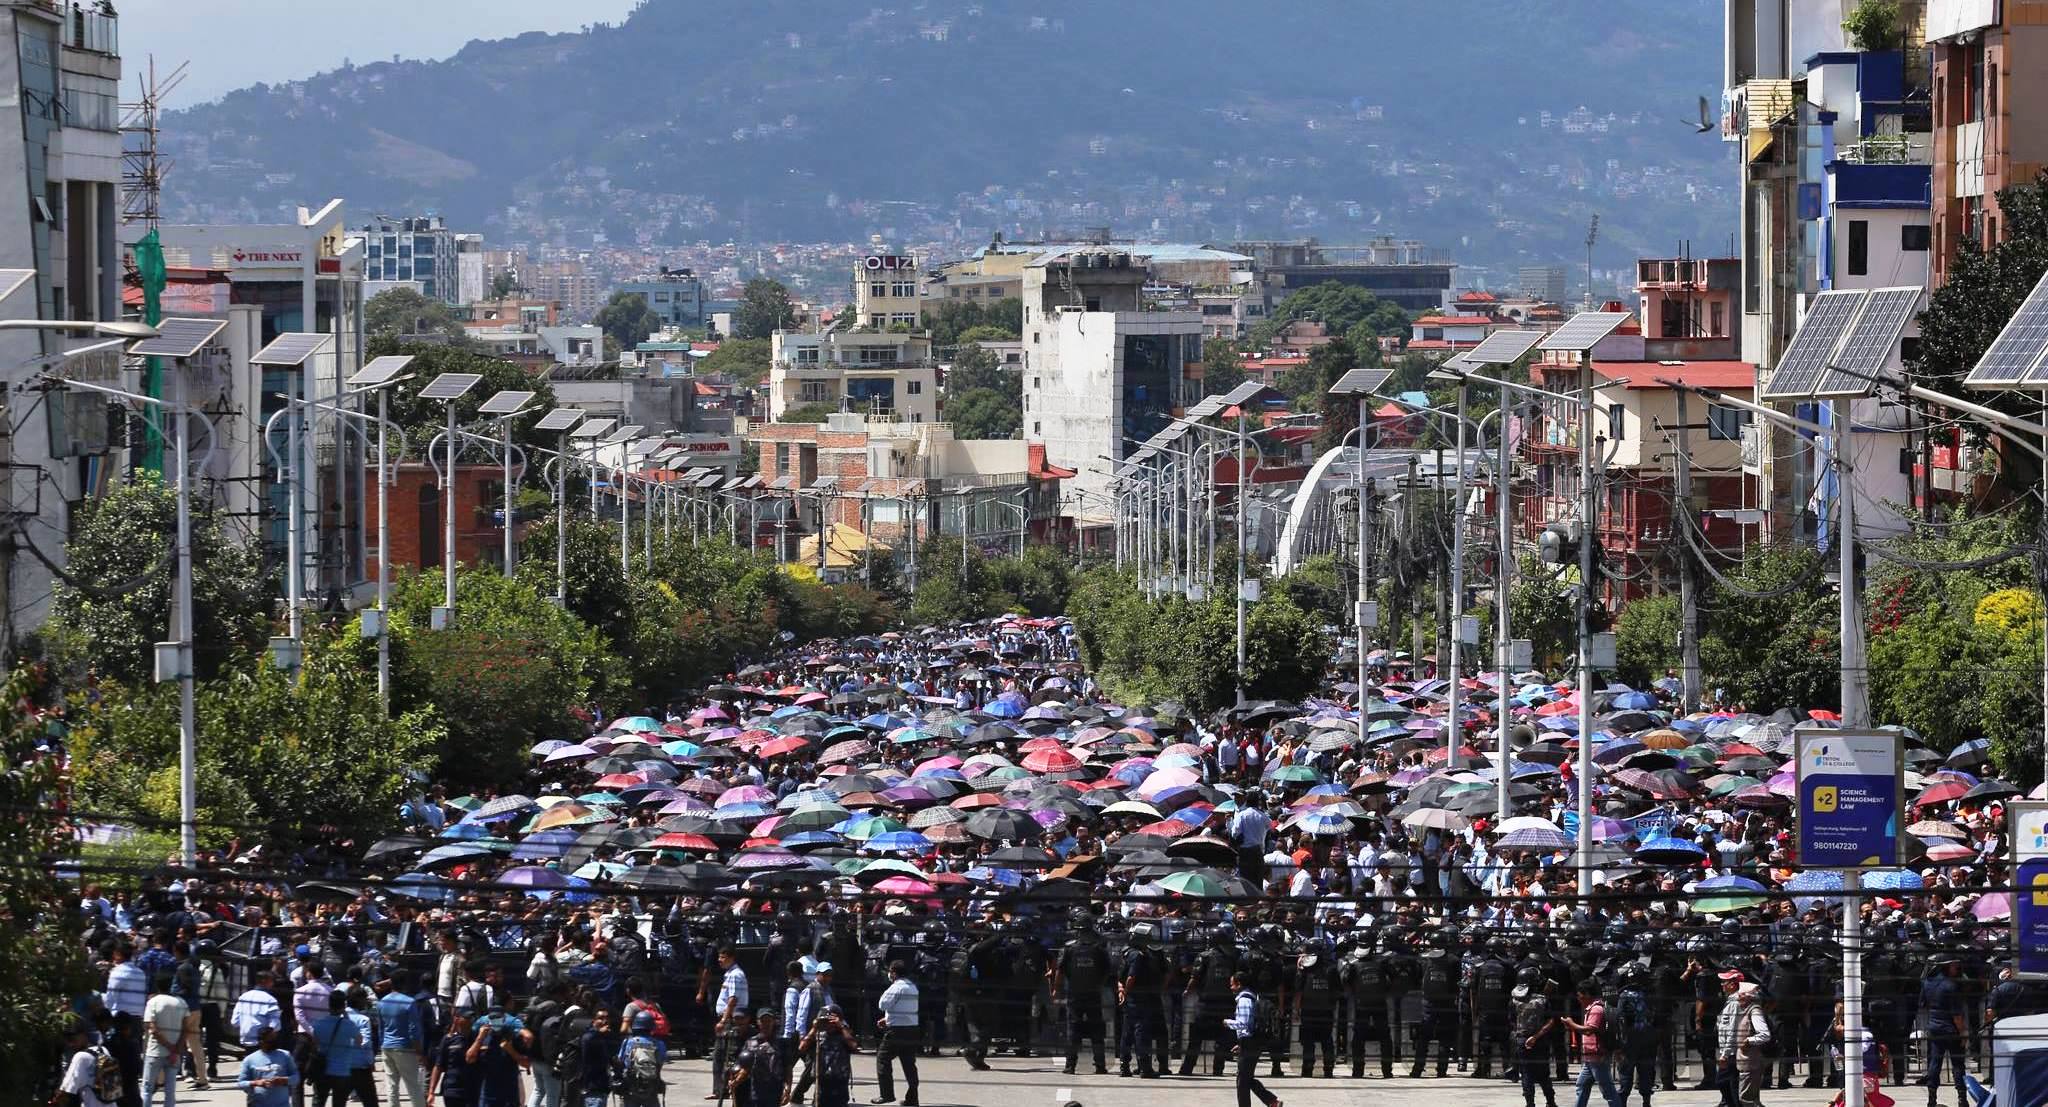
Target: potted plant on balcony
1873, 25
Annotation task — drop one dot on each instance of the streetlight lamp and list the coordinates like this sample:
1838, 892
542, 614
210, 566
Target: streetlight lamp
290, 352
447, 389
560, 421
505, 406
378, 376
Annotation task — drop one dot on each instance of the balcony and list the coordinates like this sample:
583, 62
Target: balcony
93, 28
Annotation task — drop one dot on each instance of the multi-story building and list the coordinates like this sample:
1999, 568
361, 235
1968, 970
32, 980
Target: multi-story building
307, 275
880, 373
472, 282
62, 70
1440, 336
1547, 283
1688, 307
1102, 372
885, 291
1989, 114
420, 251
1398, 271
568, 283
898, 483
676, 295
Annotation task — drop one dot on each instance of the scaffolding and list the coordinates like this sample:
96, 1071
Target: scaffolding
142, 163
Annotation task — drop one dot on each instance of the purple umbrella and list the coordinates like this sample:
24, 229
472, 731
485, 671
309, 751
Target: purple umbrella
571, 753
533, 876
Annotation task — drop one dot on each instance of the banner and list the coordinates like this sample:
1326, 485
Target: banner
1850, 797
2030, 917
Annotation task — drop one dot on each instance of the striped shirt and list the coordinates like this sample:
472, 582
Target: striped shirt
127, 989
732, 992
1246, 1017
810, 1002
899, 1004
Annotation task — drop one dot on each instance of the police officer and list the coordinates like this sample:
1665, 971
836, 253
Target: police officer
1024, 962
928, 962
1317, 992
1439, 987
1138, 990
985, 974
1366, 984
1493, 979
1078, 977
1272, 973
1209, 983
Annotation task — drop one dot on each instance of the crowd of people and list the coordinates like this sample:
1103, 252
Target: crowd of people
949, 839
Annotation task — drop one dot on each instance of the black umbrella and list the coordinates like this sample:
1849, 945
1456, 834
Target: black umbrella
696, 876
632, 837
1991, 790
1000, 823
1204, 848
1019, 857
1265, 709
858, 782
724, 692
396, 847
324, 890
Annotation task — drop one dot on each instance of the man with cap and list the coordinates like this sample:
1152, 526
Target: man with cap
1942, 1023
1137, 989
1740, 1037
830, 1045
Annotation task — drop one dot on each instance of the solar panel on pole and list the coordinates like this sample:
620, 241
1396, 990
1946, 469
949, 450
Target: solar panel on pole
506, 402
560, 419
1868, 346
11, 280
595, 428
450, 387
1360, 381
379, 372
2012, 356
1583, 332
1501, 348
292, 348
1827, 319
179, 338
622, 434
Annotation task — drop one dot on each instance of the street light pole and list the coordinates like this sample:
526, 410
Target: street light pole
1455, 732
1242, 514
1589, 523
1503, 580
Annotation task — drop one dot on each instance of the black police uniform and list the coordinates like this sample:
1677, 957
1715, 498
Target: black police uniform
1214, 1002
1318, 991
1366, 984
1439, 986
1083, 971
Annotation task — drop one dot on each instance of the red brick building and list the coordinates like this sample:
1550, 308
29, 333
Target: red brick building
418, 528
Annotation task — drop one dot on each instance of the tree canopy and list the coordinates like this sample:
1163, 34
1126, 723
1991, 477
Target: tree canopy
626, 319
745, 360
1339, 307
402, 311
956, 322
765, 307
423, 419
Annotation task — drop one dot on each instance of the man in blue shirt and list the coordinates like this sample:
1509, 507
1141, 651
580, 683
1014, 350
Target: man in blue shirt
268, 1073
1941, 1020
401, 1038
1245, 1024
640, 1059
341, 1039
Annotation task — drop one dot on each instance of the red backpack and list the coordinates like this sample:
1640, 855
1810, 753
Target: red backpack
660, 1020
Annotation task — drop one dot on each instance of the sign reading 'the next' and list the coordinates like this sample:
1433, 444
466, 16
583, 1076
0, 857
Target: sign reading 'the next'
1850, 798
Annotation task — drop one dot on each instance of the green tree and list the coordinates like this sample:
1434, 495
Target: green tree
1147, 650
1319, 586
765, 307
1326, 365
509, 674
806, 413
284, 757
41, 961
503, 284
627, 320
1924, 668
1222, 366
975, 368
985, 332
745, 360
951, 322
113, 600
1541, 610
1646, 639
423, 419
1039, 582
984, 413
1339, 307
397, 313
1983, 290
1780, 645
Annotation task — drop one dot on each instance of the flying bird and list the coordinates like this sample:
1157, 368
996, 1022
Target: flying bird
1705, 122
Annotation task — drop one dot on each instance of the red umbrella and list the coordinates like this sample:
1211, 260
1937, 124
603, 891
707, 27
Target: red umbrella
621, 780
1168, 828
777, 747
946, 832
677, 840
1051, 761
1046, 743
1940, 791
974, 800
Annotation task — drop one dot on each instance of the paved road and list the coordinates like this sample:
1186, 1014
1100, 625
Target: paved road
1038, 1082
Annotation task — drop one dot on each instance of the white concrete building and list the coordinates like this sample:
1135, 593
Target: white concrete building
881, 374
1101, 374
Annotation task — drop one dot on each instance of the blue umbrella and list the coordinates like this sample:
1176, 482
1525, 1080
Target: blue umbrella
1668, 851
452, 855
547, 845
1729, 884
466, 831
1536, 838
1634, 701
1322, 821
1894, 880
533, 876
1617, 750
1815, 880
423, 886
899, 841
1005, 709
1005, 878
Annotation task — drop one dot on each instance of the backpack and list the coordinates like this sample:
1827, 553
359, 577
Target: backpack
567, 1058
1632, 1018
643, 1068
106, 1075
660, 1020
1530, 1015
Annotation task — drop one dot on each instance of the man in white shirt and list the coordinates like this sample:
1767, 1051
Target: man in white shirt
163, 1042
83, 1066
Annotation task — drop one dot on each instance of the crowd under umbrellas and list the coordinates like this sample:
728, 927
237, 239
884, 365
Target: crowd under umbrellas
937, 770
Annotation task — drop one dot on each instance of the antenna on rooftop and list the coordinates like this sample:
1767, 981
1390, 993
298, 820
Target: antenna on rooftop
142, 168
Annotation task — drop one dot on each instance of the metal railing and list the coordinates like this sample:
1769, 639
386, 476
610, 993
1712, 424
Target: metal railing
91, 28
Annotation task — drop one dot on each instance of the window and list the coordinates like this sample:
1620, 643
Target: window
878, 290
878, 321
1859, 247
805, 355
1617, 422
1037, 429
903, 290
1915, 236
781, 460
1724, 424
1719, 313
914, 388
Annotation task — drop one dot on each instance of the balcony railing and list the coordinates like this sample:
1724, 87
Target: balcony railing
1880, 150
91, 28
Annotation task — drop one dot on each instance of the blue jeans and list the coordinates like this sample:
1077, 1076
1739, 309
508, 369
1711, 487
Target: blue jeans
154, 1070
546, 1090
1590, 1071
596, 1099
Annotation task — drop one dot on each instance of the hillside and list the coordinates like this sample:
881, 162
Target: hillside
778, 120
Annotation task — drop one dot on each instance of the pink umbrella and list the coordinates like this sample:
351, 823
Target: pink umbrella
1046, 743
745, 793
1162, 779
906, 886
810, 698
1992, 905
946, 762
1051, 761
1783, 784
703, 715
621, 780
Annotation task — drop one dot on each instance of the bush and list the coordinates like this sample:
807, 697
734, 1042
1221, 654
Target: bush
1874, 25
1646, 640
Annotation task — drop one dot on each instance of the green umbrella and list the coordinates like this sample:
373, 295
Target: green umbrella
1297, 774
1721, 905
869, 827
885, 868
1196, 882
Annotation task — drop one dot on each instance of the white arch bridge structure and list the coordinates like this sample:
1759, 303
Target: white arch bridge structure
1322, 515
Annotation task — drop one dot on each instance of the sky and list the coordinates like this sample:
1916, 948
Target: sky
234, 43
